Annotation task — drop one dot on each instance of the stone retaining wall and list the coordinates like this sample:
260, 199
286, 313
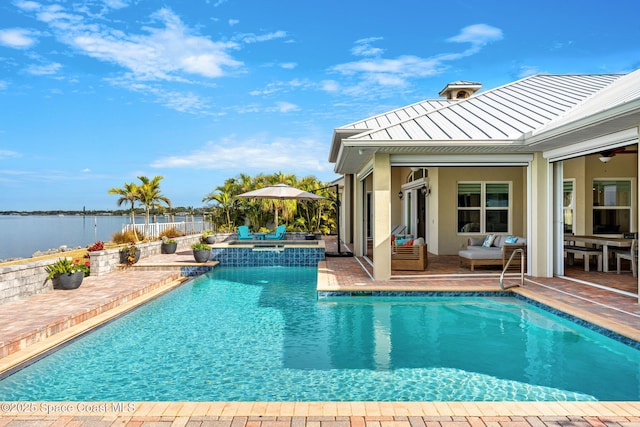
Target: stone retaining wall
30, 278
104, 262
20, 280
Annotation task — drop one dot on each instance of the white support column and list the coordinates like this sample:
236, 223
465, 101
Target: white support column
358, 229
540, 219
557, 189
381, 217
637, 230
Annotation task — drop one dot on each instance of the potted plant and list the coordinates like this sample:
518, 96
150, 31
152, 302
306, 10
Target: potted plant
130, 255
66, 274
168, 246
201, 251
208, 237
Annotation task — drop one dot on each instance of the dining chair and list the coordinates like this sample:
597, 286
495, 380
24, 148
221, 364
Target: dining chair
631, 255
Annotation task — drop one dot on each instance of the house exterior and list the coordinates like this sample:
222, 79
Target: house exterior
534, 158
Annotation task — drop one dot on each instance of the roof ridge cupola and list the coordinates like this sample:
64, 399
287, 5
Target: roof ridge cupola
460, 89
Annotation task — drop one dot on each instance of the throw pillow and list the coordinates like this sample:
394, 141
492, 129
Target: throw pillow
488, 241
511, 239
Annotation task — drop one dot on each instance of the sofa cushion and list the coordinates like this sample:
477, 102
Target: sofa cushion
488, 241
418, 242
478, 252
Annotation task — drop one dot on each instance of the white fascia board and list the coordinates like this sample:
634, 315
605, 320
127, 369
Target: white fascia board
595, 145
461, 160
445, 143
339, 135
549, 132
365, 171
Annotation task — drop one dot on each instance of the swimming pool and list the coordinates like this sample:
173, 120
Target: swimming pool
260, 334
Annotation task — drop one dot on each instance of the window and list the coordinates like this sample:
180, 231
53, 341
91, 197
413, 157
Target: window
568, 203
611, 206
484, 207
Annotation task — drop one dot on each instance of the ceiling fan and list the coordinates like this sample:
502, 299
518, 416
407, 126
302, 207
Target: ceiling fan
606, 155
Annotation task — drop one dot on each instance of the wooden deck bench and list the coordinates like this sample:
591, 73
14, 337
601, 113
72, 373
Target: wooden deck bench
586, 252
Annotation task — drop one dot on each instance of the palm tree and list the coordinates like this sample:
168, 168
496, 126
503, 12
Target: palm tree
128, 194
150, 196
223, 197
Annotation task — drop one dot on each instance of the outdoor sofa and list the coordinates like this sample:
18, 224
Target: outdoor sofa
492, 249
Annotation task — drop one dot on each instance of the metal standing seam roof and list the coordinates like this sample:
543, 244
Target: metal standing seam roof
399, 114
624, 90
501, 114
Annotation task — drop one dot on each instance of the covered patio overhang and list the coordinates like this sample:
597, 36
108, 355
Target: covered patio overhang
353, 155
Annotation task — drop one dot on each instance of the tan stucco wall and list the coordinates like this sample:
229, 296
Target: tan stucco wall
449, 240
398, 177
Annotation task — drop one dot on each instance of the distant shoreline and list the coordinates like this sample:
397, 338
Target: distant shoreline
118, 212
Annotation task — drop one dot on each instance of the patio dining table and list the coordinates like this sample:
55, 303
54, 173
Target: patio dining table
605, 242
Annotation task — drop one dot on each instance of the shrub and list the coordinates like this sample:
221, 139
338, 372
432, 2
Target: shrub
124, 237
199, 246
64, 266
97, 246
171, 232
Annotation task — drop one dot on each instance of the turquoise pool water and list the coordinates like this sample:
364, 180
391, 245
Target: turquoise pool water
260, 334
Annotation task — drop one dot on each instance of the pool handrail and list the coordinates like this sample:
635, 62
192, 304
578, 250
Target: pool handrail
521, 252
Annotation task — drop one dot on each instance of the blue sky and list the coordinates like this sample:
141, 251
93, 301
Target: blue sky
94, 93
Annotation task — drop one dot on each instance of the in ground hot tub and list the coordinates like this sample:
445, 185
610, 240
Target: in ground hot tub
255, 253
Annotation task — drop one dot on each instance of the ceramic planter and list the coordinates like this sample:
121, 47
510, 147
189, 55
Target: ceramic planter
68, 280
124, 255
168, 248
202, 255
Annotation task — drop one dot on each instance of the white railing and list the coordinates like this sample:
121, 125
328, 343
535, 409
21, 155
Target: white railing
155, 229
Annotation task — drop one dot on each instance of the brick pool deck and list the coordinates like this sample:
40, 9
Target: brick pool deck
34, 324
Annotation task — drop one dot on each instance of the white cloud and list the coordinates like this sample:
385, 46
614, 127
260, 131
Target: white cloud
233, 22
185, 102
289, 65
478, 34
375, 76
18, 38
116, 4
283, 87
286, 107
259, 154
363, 47
3, 84
527, 71
164, 52
6, 154
27, 5
253, 38
86, 170
330, 85
44, 70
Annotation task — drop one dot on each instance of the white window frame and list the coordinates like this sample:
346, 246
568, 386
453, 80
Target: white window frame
629, 206
483, 208
572, 205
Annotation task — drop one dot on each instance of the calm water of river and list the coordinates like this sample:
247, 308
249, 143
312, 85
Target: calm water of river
23, 235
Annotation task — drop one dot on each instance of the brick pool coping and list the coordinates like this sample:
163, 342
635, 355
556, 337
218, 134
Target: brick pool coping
323, 414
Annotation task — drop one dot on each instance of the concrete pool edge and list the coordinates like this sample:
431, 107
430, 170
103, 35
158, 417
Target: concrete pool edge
626, 412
